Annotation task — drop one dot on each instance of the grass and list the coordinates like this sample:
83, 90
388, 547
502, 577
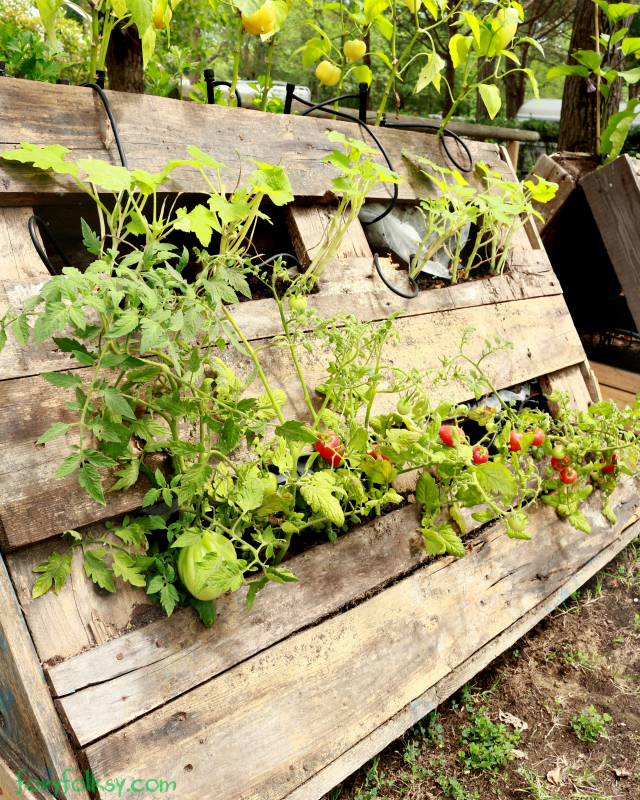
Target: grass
488, 744
578, 659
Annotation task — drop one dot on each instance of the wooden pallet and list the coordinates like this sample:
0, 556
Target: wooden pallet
289, 698
616, 384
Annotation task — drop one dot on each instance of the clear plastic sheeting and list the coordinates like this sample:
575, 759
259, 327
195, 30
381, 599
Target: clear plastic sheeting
402, 232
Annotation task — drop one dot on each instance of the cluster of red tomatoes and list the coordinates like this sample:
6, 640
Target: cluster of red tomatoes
332, 450
480, 454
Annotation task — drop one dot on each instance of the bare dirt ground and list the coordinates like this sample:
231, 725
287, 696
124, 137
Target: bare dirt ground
549, 744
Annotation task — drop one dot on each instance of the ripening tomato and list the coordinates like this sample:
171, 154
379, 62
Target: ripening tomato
538, 437
560, 463
375, 453
191, 555
403, 407
609, 467
261, 21
480, 455
327, 73
514, 440
159, 21
558, 451
518, 522
569, 475
297, 304
446, 434
330, 448
354, 49
270, 483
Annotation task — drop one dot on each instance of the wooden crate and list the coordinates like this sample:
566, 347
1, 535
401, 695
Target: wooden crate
289, 698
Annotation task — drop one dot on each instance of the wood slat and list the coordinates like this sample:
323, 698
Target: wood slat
18, 256
34, 506
613, 194
549, 170
349, 762
307, 226
621, 379
30, 725
17, 778
621, 398
570, 378
156, 129
320, 692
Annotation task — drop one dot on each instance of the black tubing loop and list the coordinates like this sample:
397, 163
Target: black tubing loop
316, 106
213, 85
43, 228
114, 127
393, 289
364, 125
284, 256
445, 132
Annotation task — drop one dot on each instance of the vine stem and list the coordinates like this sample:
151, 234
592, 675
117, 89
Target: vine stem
267, 77
236, 62
294, 356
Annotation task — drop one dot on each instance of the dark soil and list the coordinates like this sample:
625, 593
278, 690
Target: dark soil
585, 653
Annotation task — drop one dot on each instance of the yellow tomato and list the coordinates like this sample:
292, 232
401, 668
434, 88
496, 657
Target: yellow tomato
411, 5
158, 16
327, 73
260, 22
354, 50
509, 18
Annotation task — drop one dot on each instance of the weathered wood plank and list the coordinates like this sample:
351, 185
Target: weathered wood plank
320, 692
569, 378
34, 506
613, 194
614, 377
18, 256
621, 398
550, 170
30, 725
65, 624
307, 226
17, 778
155, 129
348, 762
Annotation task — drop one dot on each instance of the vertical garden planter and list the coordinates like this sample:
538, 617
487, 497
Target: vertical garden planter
287, 699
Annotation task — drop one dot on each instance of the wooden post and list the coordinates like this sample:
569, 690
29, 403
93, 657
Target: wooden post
513, 148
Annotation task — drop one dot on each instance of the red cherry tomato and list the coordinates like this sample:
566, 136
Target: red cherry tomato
569, 475
560, 463
610, 467
480, 455
330, 449
538, 437
375, 453
514, 440
446, 434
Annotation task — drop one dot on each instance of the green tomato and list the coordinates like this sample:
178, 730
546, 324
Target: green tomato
490, 426
403, 407
558, 451
572, 448
518, 523
194, 553
270, 483
297, 304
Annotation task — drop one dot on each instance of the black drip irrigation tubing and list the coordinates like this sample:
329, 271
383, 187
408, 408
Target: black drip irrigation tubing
443, 134
42, 226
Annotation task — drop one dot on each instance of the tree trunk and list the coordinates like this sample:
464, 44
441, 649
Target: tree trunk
511, 84
578, 119
124, 61
486, 69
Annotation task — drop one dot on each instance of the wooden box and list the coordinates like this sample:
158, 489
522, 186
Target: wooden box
289, 698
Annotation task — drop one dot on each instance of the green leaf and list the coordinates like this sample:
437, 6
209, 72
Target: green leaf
430, 73
427, 492
63, 380
483, 516
116, 402
566, 69
588, 58
200, 221
206, 610
434, 544
618, 11
552, 500
318, 493
126, 568
146, 428
97, 570
127, 477
248, 7
55, 570
373, 8
141, 13
607, 513
579, 521
125, 324
496, 479
452, 542
295, 431
491, 96
615, 134
603, 408
98, 459
254, 588
189, 537
51, 156
458, 518
631, 46
89, 479
273, 181
363, 74
193, 482
251, 494
69, 465
90, 239
226, 577
57, 430
273, 504
113, 179
168, 598
21, 330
